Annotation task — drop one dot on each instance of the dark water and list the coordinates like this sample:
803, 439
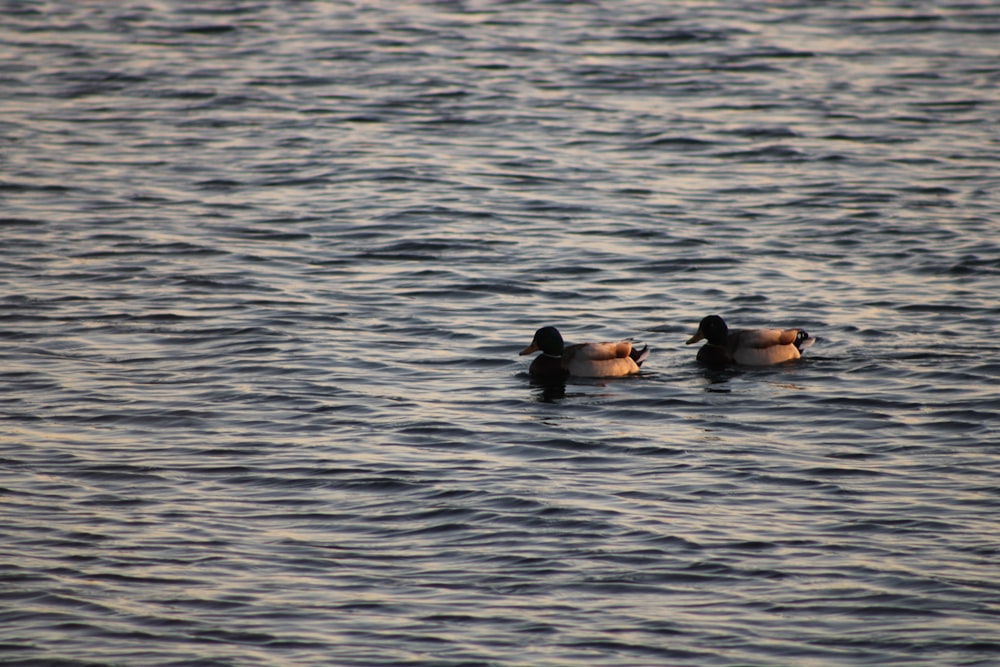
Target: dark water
265, 271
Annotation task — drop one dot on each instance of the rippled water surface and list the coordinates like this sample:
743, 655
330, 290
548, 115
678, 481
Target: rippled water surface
266, 270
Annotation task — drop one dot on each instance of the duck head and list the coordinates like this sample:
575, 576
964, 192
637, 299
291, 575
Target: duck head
548, 340
713, 329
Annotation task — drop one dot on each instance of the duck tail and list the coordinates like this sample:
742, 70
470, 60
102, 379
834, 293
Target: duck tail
639, 356
804, 340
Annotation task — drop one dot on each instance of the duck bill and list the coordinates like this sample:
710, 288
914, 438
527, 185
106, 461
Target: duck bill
528, 350
695, 338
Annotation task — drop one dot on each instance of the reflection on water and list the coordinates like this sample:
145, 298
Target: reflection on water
718, 379
549, 392
266, 270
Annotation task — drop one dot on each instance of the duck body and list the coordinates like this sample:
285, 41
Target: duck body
747, 347
558, 361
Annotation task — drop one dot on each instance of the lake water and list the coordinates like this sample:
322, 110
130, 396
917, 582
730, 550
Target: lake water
266, 270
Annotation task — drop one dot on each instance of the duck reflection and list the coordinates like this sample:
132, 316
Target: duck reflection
548, 391
718, 379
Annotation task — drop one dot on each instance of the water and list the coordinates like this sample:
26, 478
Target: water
266, 270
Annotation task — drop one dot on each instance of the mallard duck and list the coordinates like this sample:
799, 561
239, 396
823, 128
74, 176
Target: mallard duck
595, 360
750, 347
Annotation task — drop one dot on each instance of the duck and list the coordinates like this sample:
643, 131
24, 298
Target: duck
558, 361
747, 347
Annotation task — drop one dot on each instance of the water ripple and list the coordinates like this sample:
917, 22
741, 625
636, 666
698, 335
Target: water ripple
267, 270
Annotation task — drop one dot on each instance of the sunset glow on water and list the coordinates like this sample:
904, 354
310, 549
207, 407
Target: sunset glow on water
267, 269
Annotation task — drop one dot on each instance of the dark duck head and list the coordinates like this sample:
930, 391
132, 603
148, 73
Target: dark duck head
548, 340
712, 329
548, 366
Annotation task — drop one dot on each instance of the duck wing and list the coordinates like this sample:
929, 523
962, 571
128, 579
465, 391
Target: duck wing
600, 360
763, 347
599, 351
762, 338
